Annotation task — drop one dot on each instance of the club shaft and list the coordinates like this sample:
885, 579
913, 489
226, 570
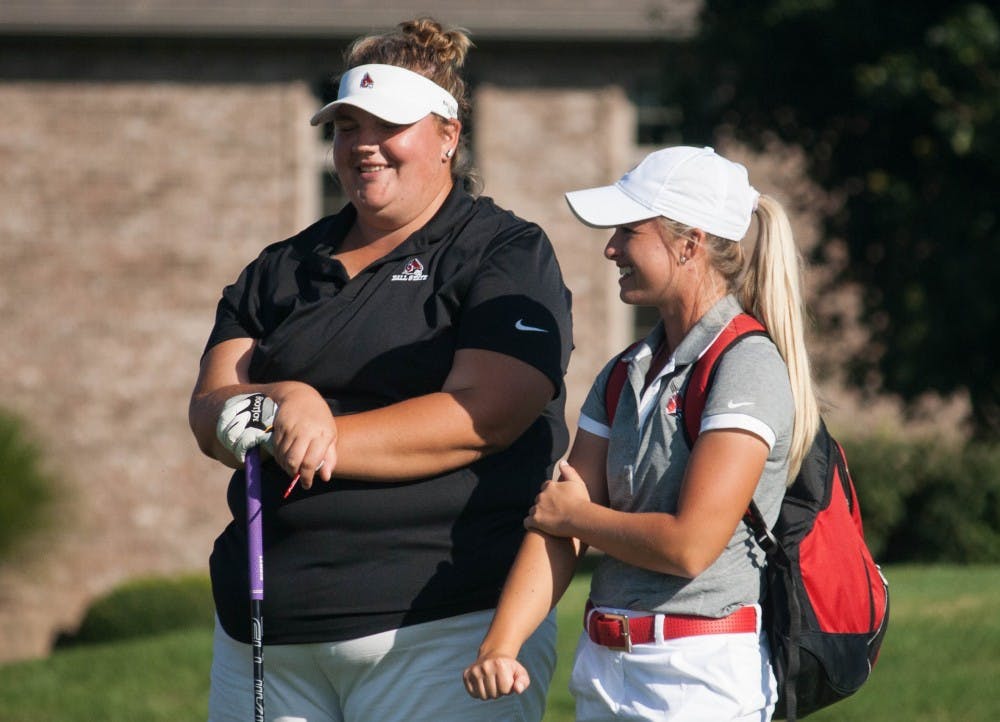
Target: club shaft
255, 560
257, 645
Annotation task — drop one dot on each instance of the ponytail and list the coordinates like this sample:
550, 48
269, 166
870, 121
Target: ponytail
770, 291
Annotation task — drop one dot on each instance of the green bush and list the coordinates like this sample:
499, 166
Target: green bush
144, 607
926, 502
885, 472
25, 491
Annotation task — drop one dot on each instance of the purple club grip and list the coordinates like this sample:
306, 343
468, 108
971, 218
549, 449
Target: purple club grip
255, 546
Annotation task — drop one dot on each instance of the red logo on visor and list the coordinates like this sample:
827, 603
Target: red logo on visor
367, 82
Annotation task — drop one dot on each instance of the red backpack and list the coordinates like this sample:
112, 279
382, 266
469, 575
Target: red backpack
827, 605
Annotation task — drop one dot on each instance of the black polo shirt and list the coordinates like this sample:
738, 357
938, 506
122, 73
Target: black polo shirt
351, 558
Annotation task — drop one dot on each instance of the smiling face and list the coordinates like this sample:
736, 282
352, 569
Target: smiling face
395, 175
647, 263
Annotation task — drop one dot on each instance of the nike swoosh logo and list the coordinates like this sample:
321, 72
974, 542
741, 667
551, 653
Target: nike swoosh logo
741, 403
522, 326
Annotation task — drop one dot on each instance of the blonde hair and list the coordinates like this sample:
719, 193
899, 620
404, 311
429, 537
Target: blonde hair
424, 46
767, 286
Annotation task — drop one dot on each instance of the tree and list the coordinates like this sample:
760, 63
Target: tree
897, 104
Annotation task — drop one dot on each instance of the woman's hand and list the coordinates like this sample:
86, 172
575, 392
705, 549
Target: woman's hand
495, 675
558, 503
245, 422
304, 437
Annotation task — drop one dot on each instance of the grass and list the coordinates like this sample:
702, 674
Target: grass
941, 657
154, 679
940, 662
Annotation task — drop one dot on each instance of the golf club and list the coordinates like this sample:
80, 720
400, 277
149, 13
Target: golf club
255, 556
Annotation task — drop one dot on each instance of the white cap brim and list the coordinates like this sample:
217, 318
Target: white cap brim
690, 185
607, 207
391, 111
394, 94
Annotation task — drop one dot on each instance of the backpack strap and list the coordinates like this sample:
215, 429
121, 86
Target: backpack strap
703, 373
782, 563
616, 383
693, 404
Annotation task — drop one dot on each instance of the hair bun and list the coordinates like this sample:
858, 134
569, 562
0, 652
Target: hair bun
450, 47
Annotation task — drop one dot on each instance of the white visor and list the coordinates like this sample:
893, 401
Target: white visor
394, 94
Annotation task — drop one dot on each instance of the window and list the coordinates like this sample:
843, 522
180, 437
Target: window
332, 197
657, 125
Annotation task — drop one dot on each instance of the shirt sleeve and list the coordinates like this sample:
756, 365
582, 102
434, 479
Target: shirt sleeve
751, 391
594, 412
518, 304
237, 314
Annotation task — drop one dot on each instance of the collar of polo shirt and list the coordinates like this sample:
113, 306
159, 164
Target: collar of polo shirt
394, 94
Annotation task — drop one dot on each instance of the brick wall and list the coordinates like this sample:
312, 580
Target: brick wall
533, 145
127, 207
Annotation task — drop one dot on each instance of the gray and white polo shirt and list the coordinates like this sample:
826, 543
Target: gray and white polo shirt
647, 456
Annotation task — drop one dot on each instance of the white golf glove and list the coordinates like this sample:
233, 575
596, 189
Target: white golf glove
245, 422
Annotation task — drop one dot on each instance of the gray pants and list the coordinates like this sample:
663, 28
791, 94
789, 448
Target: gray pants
412, 674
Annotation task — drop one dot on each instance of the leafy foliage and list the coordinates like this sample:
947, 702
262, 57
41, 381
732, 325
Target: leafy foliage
897, 105
25, 490
925, 502
145, 607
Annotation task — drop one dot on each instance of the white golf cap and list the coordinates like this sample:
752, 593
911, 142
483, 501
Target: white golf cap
394, 94
695, 186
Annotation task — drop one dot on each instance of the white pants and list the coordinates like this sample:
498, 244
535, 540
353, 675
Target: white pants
413, 674
709, 678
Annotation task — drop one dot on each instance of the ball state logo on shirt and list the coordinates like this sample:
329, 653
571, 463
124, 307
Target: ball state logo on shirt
412, 271
367, 82
673, 405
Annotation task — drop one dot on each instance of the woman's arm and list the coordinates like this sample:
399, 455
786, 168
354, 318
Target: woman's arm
303, 415
541, 573
719, 481
487, 401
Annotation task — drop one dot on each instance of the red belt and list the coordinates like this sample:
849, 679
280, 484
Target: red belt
620, 631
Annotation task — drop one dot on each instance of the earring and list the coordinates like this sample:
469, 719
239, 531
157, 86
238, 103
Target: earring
447, 153
683, 260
